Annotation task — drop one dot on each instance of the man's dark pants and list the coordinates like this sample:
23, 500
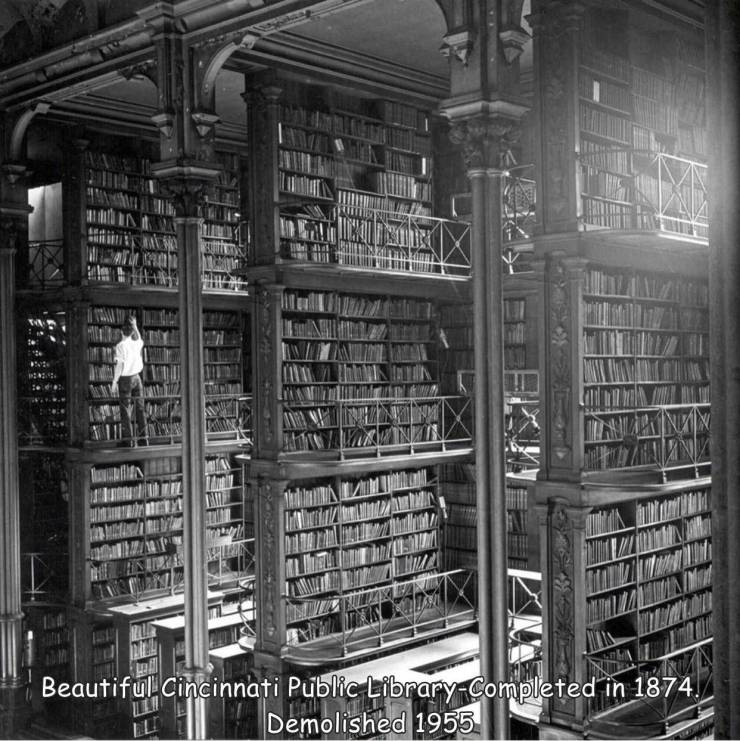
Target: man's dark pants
130, 387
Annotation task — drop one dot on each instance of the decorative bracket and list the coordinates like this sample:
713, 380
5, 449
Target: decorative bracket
204, 122
165, 122
459, 45
512, 42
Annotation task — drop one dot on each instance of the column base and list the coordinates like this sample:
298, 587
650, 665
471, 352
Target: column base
15, 711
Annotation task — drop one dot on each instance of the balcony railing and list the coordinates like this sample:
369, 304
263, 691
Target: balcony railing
390, 241
45, 265
229, 560
683, 679
661, 193
669, 438
519, 215
44, 576
378, 426
525, 624
367, 619
227, 417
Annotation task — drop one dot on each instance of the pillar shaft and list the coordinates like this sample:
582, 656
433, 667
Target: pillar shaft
10, 593
188, 230
723, 117
13, 237
489, 442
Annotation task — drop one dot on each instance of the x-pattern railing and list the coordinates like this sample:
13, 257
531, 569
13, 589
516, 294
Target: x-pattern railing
525, 593
227, 416
42, 580
45, 264
402, 242
519, 203
670, 436
522, 432
239, 553
682, 195
386, 423
660, 190
370, 617
692, 665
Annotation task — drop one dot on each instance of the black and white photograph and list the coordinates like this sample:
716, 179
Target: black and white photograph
369, 369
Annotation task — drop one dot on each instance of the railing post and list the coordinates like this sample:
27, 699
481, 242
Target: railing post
380, 614
343, 623
446, 611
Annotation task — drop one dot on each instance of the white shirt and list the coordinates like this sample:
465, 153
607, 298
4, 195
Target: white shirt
129, 353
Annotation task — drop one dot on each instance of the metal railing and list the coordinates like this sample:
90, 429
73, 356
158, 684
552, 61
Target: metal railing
45, 268
378, 425
410, 243
657, 191
668, 437
369, 618
165, 276
522, 432
44, 576
233, 560
682, 679
525, 624
227, 416
519, 212
158, 567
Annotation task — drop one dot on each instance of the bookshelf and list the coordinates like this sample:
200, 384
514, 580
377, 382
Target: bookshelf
130, 228
224, 343
225, 234
645, 345
135, 527
643, 586
642, 140
232, 717
170, 636
358, 371
347, 535
639, 390
355, 188
130, 232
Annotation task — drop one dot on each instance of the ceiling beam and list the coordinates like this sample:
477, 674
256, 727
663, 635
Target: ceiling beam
337, 65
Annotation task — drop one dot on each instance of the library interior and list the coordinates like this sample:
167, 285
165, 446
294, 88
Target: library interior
355, 369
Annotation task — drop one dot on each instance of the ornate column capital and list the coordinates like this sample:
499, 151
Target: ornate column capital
187, 189
484, 139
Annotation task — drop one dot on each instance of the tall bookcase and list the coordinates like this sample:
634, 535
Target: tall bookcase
623, 491
169, 635
640, 599
641, 137
352, 415
122, 506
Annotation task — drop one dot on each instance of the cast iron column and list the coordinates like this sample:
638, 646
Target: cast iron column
484, 138
723, 118
13, 232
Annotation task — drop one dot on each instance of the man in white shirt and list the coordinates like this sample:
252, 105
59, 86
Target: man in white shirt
129, 363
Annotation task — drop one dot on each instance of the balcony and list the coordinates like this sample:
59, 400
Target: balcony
367, 239
660, 193
670, 438
366, 620
683, 698
44, 268
227, 417
377, 426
